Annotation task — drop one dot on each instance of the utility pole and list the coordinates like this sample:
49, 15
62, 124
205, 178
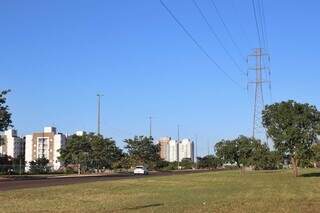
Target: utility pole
178, 132
20, 156
150, 126
196, 140
99, 113
260, 79
178, 142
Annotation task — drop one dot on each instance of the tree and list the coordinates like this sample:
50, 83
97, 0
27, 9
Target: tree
18, 164
90, 151
125, 162
5, 164
77, 152
104, 152
239, 150
5, 115
316, 154
293, 127
263, 158
245, 151
209, 162
142, 150
39, 166
228, 152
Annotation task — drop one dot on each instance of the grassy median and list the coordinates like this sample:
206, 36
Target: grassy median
225, 191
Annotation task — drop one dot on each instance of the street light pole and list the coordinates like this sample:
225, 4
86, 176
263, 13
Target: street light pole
196, 159
20, 155
150, 126
99, 113
178, 146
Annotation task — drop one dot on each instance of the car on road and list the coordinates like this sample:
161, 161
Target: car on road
140, 170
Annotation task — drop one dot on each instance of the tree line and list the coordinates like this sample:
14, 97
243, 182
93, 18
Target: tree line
293, 127
91, 152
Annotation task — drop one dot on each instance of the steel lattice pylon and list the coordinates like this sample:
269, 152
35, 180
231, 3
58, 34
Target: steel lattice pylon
261, 68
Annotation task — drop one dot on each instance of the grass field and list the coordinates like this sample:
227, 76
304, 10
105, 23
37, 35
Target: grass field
225, 191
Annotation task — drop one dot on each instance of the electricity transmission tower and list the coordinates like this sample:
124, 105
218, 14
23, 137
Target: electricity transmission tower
262, 77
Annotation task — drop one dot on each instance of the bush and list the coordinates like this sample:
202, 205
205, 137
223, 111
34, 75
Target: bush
40, 166
161, 164
186, 163
172, 166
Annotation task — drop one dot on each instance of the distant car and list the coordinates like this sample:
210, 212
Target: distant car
140, 170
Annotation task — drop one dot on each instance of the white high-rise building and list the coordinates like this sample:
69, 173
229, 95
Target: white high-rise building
173, 151
80, 133
186, 149
13, 145
45, 144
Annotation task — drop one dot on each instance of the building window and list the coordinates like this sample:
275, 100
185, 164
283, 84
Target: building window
43, 147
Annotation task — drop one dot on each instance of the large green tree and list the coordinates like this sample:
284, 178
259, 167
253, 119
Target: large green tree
104, 152
239, 150
142, 150
247, 151
5, 115
227, 151
77, 151
124, 162
90, 151
263, 158
293, 127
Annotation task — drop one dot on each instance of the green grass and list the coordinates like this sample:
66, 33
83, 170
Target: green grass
226, 191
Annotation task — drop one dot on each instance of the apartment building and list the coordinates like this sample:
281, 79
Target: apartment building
164, 148
186, 149
80, 133
44, 144
13, 145
173, 151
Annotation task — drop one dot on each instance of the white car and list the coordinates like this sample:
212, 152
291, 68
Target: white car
140, 170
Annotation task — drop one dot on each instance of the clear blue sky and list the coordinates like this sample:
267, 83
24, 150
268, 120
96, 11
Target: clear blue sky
57, 55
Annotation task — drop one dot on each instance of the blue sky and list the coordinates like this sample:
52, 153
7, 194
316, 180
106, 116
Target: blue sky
57, 55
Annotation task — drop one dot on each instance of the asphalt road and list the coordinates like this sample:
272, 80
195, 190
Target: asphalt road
57, 181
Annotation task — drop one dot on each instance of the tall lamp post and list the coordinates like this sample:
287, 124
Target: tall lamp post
178, 126
99, 113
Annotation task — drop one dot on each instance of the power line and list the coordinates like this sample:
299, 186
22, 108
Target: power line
261, 24
265, 25
241, 26
256, 21
217, 37
267, 46
199, 45
227, 28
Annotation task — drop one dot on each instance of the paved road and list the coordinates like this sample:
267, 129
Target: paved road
22, 184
